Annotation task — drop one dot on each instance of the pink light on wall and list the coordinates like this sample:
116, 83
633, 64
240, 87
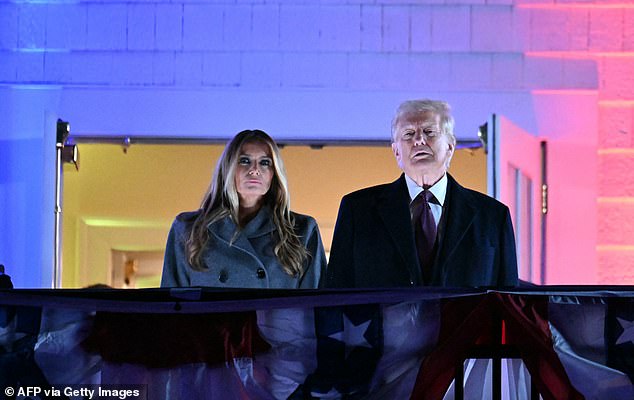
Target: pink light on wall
559, 6
569, 121
603, 33
579, 54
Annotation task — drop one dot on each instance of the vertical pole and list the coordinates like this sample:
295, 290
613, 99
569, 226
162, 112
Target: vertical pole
63, 130
534, 390
497, 377
544, 214
496, 359
57, 270
459, 381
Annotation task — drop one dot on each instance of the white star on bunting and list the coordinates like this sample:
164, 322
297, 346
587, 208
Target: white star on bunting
628, 331
352, 335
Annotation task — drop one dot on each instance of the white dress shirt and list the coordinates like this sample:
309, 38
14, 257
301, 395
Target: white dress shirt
439, 190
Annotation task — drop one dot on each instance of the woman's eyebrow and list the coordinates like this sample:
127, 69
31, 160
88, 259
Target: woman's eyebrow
252, 156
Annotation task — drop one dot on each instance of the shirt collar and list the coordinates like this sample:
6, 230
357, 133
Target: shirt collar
439, 190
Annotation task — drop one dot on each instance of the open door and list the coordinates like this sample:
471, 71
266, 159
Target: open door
516, 175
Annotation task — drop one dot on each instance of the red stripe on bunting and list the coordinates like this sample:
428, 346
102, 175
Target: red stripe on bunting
469, 323
169, 340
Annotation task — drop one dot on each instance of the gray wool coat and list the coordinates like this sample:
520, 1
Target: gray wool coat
247, 261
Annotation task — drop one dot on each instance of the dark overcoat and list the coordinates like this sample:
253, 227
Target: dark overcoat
373, 243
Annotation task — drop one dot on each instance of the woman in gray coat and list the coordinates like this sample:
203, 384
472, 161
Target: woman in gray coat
244, 235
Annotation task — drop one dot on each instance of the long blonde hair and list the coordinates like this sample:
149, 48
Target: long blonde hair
221, 200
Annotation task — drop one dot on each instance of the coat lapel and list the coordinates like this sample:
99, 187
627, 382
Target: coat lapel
458, 214
225, 230
393, 209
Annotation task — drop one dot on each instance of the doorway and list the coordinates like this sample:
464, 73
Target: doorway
124, 198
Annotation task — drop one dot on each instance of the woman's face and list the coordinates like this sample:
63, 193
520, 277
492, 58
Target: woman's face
254, 173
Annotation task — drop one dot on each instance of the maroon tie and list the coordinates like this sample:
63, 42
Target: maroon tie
424, 232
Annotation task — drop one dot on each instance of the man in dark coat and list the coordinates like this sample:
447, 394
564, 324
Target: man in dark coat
377, 242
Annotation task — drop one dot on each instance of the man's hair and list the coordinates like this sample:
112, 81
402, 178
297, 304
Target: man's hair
441, 108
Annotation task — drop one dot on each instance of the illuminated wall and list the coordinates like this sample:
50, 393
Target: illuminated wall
601, 32
323, 69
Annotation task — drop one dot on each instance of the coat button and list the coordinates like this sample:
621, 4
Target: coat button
261, 273
223, 276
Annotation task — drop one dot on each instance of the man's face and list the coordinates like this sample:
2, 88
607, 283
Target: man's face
420, 147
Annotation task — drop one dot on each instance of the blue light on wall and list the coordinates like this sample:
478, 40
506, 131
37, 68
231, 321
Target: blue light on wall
27, 179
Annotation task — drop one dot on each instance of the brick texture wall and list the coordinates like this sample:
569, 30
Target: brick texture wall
453, 44
481, 45
600, 32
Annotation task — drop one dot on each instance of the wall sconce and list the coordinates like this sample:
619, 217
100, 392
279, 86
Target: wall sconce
63, 130
483, 136
69, 152
70, 155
